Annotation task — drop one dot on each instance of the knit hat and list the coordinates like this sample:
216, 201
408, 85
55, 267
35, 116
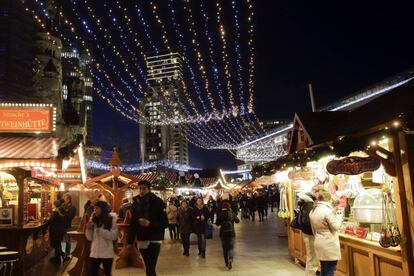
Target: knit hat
104, 206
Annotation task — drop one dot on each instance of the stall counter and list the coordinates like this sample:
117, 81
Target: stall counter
359, 256
30, 240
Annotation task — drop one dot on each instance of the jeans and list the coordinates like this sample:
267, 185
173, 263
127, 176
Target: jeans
68, 242
261, 214
173, 231
201, 239
328, 268
245, 212
150, 256
107, 266
252, 214
312, 262
228, 248
185, 239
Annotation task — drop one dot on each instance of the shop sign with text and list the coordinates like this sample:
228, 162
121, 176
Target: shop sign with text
26, 119
353, 165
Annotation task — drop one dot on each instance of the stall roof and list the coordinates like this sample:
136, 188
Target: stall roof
379, 111
30, 147
324, 126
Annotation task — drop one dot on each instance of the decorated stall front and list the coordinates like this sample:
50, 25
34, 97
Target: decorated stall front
34, 165
364, 158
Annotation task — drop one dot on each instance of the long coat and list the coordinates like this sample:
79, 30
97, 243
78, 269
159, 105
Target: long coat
172, 212
200, 225
325, 225
152, 208
56, 226
185, 220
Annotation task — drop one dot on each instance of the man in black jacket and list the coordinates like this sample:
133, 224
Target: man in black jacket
148, 224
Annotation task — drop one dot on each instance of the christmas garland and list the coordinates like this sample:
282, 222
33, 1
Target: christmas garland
68, 149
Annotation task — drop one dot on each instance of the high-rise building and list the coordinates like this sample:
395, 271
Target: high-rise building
163, 141
17, 41
85, 63
77, 86
48, 73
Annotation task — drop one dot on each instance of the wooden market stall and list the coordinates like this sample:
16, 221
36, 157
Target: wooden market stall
34, 166
32, 170
367, 152
114, 185
217, 189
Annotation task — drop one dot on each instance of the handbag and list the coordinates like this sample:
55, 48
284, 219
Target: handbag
295, 222
209, 230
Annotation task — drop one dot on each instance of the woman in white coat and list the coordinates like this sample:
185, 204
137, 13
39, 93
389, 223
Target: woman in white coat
102, 230
325, 224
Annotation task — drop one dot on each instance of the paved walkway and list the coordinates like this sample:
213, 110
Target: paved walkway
258, 250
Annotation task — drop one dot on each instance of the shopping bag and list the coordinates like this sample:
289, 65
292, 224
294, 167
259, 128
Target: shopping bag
209, 231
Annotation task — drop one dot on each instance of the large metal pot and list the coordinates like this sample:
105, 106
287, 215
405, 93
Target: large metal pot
368, 206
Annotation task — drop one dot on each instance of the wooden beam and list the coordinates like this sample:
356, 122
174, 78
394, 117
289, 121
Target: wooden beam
407, 162
401, 210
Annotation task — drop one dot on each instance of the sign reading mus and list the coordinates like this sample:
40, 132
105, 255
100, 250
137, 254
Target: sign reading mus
27, 118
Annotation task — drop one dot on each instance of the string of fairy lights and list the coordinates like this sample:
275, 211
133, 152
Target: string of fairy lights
223, 126
221, 118
234, 127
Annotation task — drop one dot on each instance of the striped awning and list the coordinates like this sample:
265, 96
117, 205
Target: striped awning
150, 177
205, 182
30, 147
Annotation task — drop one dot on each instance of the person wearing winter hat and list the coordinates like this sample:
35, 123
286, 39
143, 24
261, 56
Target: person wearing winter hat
102, 230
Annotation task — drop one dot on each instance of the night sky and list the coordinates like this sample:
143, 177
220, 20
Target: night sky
339, 47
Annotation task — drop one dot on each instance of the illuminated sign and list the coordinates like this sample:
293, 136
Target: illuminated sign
353, 165
27, 118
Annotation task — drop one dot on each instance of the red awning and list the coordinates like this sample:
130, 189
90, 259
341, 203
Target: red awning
30, 147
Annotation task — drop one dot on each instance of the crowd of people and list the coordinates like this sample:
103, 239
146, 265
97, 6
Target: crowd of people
150, 216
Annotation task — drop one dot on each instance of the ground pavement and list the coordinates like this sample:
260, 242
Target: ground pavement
258, 250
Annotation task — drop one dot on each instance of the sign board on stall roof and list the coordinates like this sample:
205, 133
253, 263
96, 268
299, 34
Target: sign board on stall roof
353, 165
27, 118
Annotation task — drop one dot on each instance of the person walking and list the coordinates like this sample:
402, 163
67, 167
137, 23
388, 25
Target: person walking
244, 206
226, 221
325, 224
69, 212
185, 224
102, 231
260, 206
266, 203
148, 224
200, 215
56, 225
172, 219
252, 203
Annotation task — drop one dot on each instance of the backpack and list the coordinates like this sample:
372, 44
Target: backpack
303, 218
227, 227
